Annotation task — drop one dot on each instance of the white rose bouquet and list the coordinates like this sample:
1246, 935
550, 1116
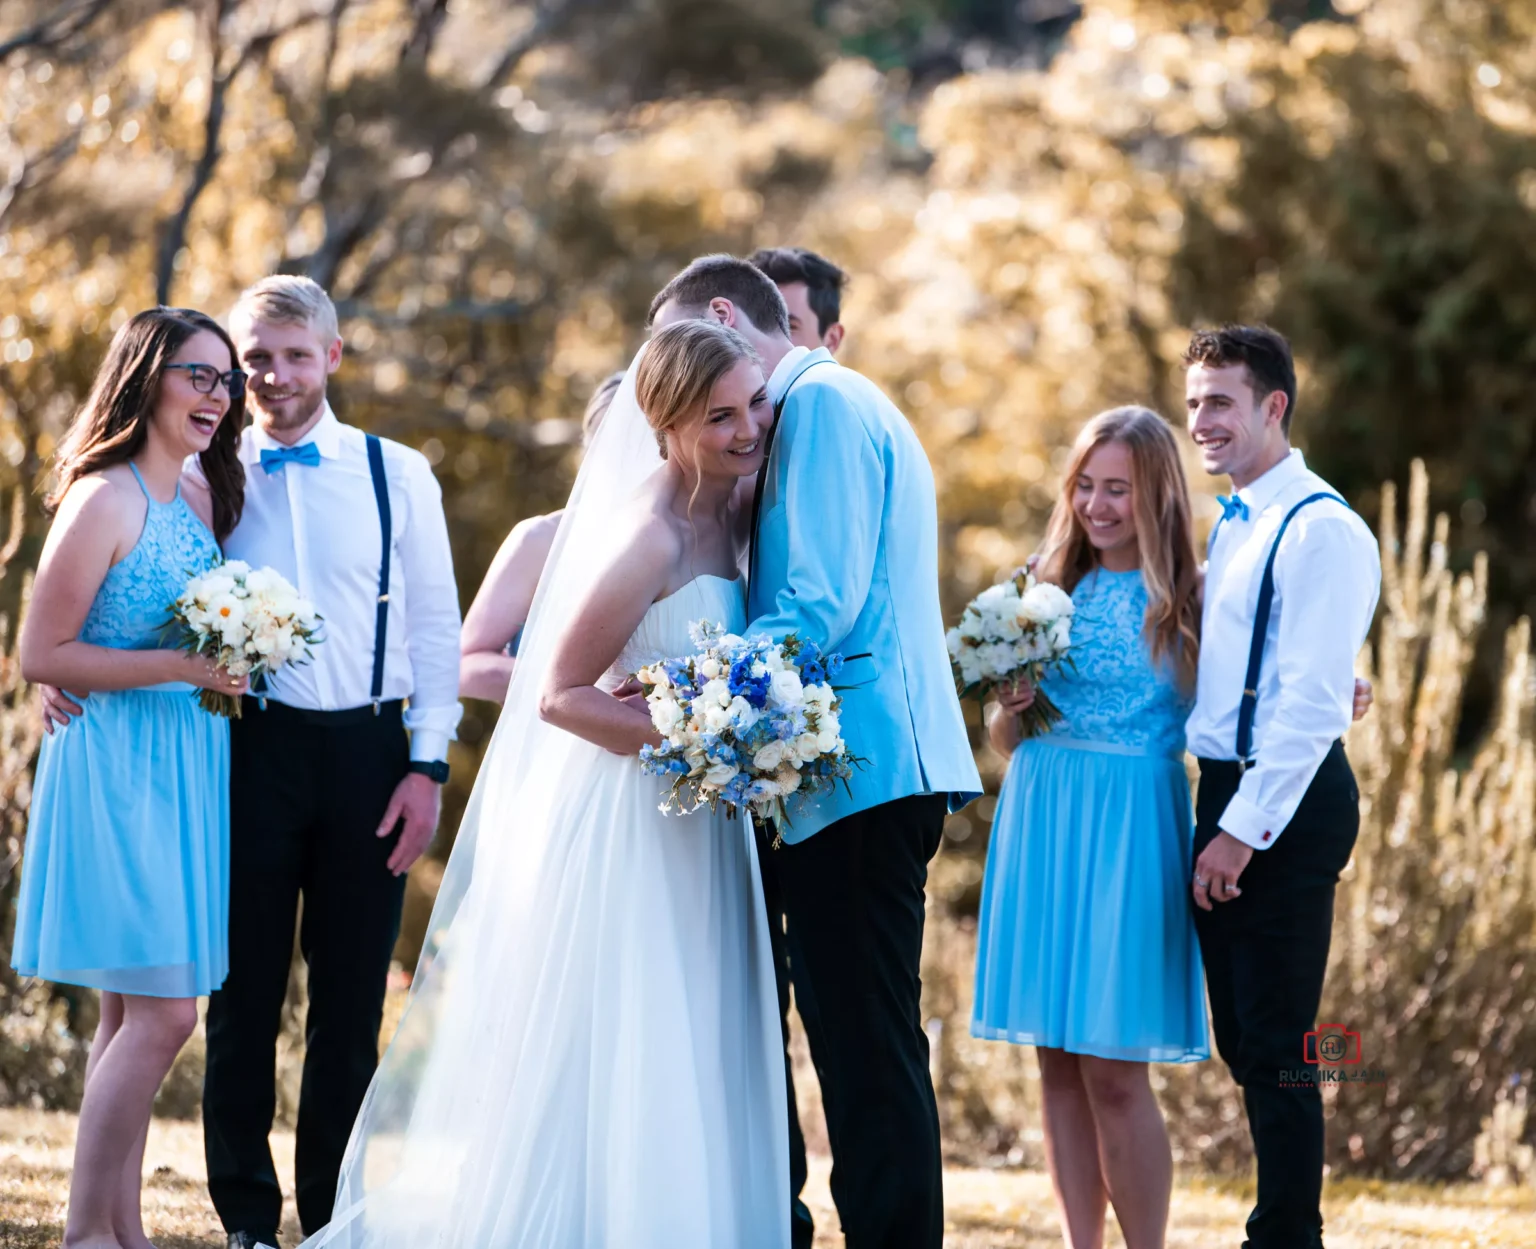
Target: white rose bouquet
1014, 631
249, 621
749, 723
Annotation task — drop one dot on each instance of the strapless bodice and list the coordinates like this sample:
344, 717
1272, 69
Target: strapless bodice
663, 631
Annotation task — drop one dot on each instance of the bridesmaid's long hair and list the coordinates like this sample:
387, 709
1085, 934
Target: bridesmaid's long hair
1164, 532
114, 423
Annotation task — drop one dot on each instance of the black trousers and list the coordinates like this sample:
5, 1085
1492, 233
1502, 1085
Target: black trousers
852, 897
802, 1226
306, 797
1265, 955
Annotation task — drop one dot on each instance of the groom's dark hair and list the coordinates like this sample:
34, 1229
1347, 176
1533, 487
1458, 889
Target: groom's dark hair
726, 277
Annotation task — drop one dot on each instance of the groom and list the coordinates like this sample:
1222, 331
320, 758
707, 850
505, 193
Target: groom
845, 553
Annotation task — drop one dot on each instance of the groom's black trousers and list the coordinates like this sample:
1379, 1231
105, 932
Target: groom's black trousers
853, 904
1265, 955
307, 792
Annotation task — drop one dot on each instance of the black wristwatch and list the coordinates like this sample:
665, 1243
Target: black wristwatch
437, 770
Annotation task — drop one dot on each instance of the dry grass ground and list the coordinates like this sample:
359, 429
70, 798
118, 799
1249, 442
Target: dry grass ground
987, 1209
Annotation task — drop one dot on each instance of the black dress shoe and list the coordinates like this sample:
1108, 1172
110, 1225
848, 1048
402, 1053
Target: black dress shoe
249, 1240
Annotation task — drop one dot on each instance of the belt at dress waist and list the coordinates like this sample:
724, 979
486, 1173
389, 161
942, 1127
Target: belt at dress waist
166, 687
1109, 748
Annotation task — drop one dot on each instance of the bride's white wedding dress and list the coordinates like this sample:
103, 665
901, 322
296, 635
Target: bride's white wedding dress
591, 1059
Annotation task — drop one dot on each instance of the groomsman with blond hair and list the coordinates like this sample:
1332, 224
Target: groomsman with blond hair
336, 766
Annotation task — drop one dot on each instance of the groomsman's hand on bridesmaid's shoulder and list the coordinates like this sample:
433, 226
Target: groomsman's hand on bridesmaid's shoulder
414, 807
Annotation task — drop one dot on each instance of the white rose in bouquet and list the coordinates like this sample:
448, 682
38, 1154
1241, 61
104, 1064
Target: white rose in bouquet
1019, 629
250, 622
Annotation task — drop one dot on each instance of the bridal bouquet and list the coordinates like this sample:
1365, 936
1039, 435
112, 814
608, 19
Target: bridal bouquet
249, 621
1014, 631
749, 723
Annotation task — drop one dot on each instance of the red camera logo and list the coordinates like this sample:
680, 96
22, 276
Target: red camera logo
1332, 1045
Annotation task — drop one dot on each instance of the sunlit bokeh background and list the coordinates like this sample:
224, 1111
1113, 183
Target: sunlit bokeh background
1036, 201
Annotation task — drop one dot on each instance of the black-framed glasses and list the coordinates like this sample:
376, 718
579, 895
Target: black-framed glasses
205, 377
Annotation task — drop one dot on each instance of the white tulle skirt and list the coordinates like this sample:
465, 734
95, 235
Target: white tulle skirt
591, 1058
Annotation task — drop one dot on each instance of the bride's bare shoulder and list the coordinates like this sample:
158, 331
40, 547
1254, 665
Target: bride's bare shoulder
648, 530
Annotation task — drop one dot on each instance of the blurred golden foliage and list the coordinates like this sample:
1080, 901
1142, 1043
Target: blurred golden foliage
1035, 208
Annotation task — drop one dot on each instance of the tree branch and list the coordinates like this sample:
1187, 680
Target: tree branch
550, 19
213, 126
505, 311
28, 172
429, 15
344, 233
64, 23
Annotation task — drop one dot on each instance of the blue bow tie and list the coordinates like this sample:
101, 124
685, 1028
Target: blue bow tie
1230, 507
274, 461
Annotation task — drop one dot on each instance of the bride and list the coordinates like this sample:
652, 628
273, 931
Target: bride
590, 1058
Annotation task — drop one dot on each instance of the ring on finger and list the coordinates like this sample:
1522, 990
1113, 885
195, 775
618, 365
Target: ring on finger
1199, 881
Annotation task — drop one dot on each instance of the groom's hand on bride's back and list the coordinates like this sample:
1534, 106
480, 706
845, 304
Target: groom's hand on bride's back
57, 707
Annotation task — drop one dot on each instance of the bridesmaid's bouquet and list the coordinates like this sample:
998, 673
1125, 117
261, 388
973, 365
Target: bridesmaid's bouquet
1014, 631
249, 621
746, 722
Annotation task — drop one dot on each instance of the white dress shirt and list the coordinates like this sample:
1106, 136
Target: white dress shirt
1327, 580
784, 372
319, 526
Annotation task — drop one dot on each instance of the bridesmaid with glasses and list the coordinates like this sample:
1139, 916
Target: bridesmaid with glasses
125, 882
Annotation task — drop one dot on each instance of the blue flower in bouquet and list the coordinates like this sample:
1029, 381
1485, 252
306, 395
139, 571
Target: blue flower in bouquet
747, 722
745, 684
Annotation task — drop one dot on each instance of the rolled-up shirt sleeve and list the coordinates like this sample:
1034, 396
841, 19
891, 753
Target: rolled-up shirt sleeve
1327, 579
431, 616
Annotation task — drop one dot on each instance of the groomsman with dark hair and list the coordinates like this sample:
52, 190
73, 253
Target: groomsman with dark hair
812, 287
1290, 591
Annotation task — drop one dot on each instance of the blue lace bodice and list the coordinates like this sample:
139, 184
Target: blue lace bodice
133, 604
1117, 694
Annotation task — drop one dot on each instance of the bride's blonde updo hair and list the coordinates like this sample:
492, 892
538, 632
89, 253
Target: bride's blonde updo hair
679, 369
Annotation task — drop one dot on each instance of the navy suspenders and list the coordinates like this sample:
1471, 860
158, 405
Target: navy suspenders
381, 613
1262, 611
386, 531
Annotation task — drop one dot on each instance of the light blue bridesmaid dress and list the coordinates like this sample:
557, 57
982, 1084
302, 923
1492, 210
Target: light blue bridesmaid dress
125, 882
1087, 943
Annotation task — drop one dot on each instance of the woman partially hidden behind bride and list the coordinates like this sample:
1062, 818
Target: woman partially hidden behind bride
591, 1056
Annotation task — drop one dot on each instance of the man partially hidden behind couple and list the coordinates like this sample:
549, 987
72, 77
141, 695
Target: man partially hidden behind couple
592, 1052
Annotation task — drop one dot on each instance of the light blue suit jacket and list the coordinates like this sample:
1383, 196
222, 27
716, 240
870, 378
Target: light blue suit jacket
847, 556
